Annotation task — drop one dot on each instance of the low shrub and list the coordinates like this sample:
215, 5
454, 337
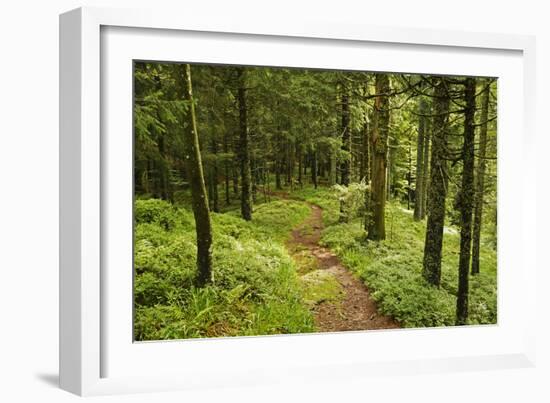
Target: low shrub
255, 291
392, 269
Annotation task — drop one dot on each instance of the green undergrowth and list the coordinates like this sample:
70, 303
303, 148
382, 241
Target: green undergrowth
392, 271
323, 197
321, 286
256, 289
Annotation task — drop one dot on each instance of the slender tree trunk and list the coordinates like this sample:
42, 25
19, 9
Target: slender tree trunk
466, 202
214, 179
299, 152
314, 168
346, 139
235, 171
480, 179
147, 178
438, 185
365, 174
379, 142
332, 173
244, 152
209, 183
289, 163
426, 165
226, 172
278, 184
392, 145
201, 213
254, 177
163, 170
409, 178
419, 189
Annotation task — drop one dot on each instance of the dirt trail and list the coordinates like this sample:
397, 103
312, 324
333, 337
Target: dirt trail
356, 310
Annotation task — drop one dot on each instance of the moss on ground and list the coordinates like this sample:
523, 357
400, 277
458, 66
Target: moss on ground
321, 286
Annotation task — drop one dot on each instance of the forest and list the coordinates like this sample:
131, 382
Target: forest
273, 200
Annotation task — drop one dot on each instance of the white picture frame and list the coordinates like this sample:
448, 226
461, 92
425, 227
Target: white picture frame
88, 338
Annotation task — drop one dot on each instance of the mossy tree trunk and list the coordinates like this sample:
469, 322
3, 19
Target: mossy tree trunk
379, 148
365, 160
466, 202
346, 139
480, 178
196, 180
426, 165
244, 151
419, 188
438, 184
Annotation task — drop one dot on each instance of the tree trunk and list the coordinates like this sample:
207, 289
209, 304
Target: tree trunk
226, 171
201, 213
392, 146
480, 179
254, 177
278, 184
299, 153
438, 185
365, 166
409, 178
289, 163
426, 165
419, 188
209, 182
244, 152
214, 179
379, 147
314, 168
163, 170
235, 171
346, 139
466, 202
332, 173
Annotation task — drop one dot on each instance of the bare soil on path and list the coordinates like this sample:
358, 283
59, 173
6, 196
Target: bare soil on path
356, 310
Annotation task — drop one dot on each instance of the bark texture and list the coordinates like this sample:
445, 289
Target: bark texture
466, 202
244, 151
480, 179
419, 188
438, 185
198, 190
379, 147
346, 140
426, 164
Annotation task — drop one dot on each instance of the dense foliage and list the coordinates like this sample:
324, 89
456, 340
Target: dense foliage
229, 160
255, 290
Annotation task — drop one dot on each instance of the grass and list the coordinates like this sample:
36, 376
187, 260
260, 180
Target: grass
260, 289
323, 197
256, 289
392, 270
321, 286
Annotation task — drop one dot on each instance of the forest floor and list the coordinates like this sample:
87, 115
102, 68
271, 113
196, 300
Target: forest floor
295, 268
338, 300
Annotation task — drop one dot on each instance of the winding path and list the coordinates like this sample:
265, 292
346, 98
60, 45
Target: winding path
357, 310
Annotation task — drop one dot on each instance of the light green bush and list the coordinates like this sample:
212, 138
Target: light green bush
255, 289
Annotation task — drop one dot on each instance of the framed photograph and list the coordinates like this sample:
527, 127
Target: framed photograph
242, 202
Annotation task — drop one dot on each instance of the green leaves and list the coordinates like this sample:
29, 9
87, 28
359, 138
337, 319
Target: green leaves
392, 271
255, 291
